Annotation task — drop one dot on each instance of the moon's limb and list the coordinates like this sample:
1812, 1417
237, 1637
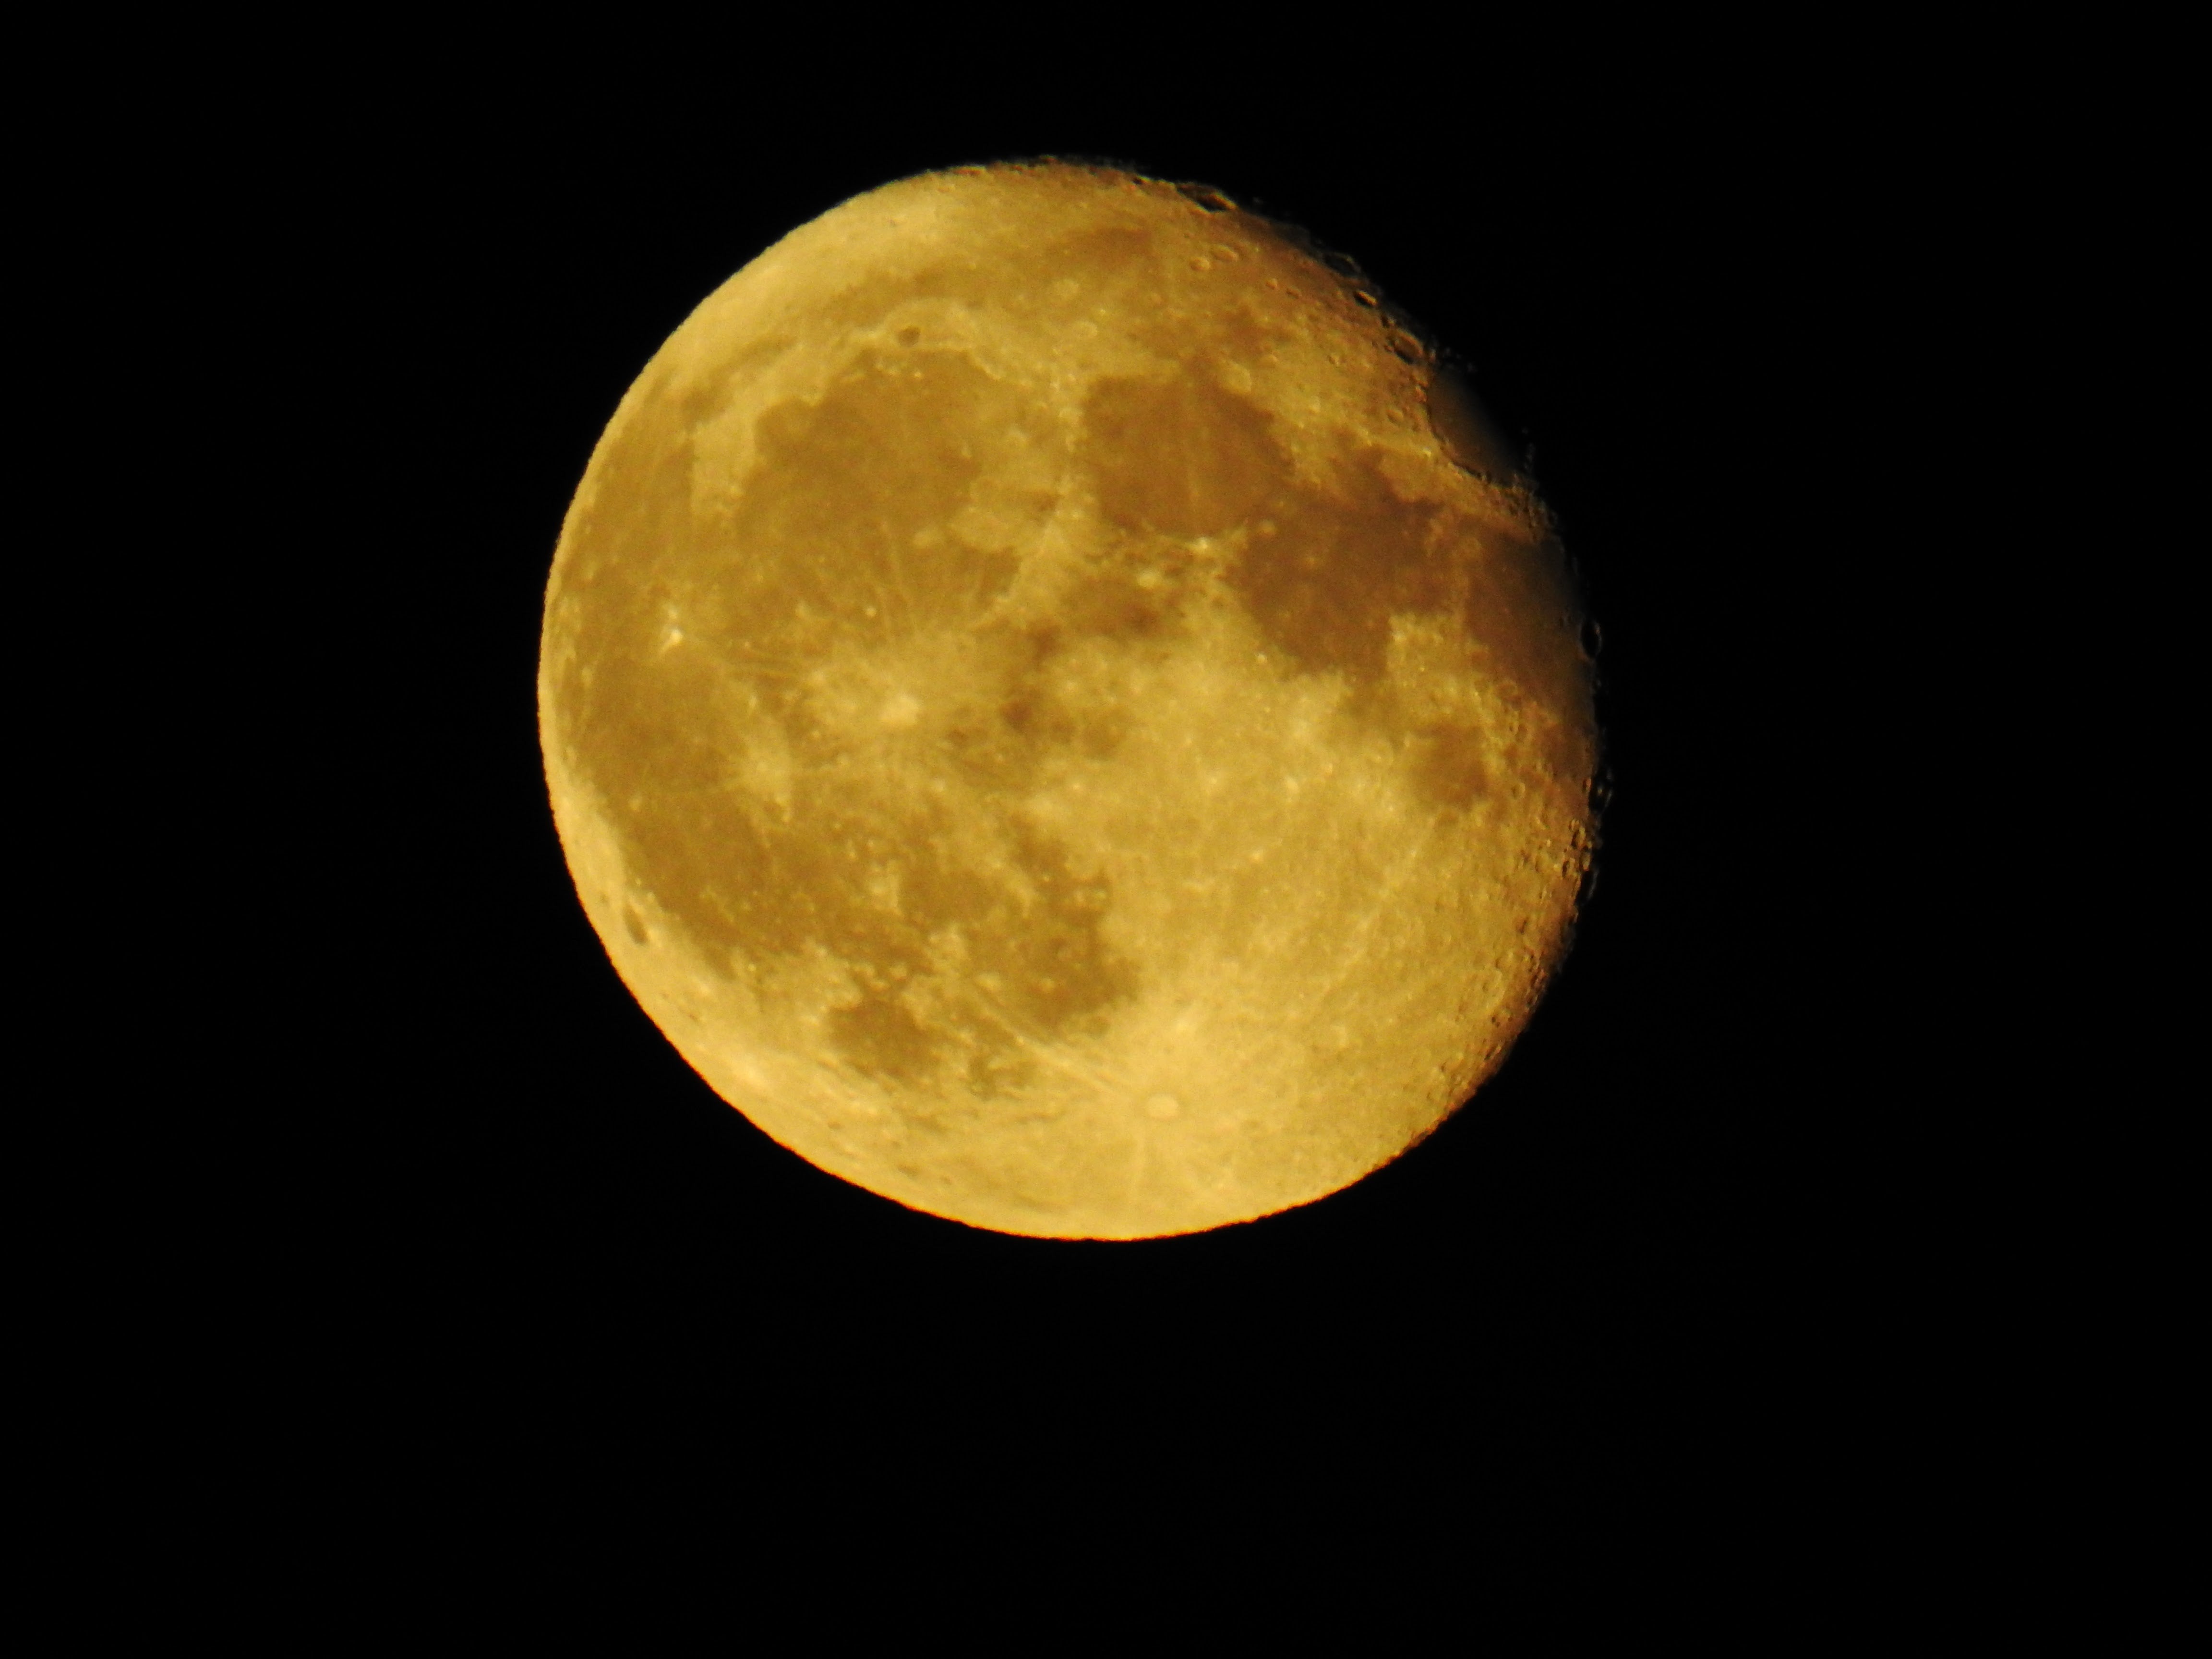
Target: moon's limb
1048, 721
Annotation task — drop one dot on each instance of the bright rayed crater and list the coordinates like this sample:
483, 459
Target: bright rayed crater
1057, 710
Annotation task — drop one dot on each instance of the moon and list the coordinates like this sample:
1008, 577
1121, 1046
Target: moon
1058, 708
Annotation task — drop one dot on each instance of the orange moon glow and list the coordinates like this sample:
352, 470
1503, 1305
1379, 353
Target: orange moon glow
1055, 708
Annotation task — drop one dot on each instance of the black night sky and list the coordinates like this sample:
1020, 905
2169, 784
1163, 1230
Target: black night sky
1602, 1302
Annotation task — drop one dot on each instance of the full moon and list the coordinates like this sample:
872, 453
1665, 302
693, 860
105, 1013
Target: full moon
1057, 706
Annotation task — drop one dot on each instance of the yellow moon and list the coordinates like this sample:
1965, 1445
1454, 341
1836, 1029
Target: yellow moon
1054, 712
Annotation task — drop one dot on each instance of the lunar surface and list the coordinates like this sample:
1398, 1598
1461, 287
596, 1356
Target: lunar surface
1057, 708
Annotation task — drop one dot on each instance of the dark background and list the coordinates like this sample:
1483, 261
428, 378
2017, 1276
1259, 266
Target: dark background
1620, 1295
